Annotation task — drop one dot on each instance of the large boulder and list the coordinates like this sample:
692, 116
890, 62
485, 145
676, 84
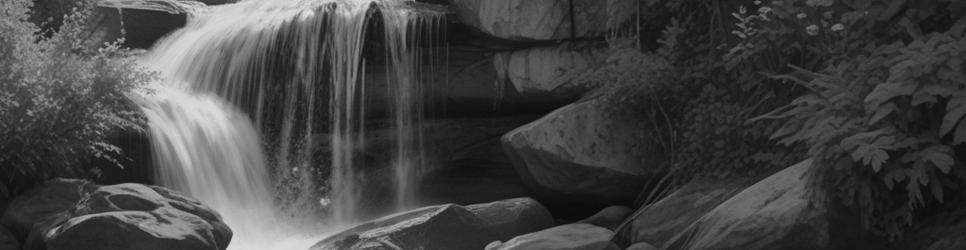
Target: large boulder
512, 217
609, 217
584, 154
548, 73
140, 22
133, 216
659, 222
775, 213
577, 236
41, 202
437, 227
544, 20
446, 226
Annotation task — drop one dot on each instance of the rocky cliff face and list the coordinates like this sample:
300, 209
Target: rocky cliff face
544, 20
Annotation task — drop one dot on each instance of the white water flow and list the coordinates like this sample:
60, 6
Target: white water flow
248, 88
406, 88
220, 161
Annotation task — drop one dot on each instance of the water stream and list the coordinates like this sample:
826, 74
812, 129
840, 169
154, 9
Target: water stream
246, 90
219, 160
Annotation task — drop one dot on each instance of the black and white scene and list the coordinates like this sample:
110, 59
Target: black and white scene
482, 124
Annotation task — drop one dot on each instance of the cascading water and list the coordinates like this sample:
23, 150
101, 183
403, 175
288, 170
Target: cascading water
219, 161
292, 66
406, 88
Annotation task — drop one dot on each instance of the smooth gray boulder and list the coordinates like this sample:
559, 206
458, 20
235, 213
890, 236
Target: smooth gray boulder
609, 217
444, 227
133, 216
775, 213
437, 227
583, 154
577, 236
658, 222
641, 246
512, 217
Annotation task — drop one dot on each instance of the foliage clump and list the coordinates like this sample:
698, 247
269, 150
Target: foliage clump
882, 114
886, 125
59, 97
870, 88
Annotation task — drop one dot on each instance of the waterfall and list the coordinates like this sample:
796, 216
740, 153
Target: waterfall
247, 89
406, 86
219, 161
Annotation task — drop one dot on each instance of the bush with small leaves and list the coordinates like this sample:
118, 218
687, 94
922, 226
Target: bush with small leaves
59, 98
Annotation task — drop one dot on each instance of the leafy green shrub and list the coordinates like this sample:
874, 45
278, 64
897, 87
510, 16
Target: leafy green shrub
716, 142
59, 98
886, 125
49, 14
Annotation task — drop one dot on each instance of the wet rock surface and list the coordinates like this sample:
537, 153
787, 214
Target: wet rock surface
659, 222
581, 155
512, 217
142, 23
548, 72
134, 216
775, 213
437, 227
79, 215
446, 226
566, 237
544, 19
609, 217
641, 246
138, 26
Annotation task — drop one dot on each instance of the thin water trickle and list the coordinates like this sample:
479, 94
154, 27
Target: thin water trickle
407, 87
248, 87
